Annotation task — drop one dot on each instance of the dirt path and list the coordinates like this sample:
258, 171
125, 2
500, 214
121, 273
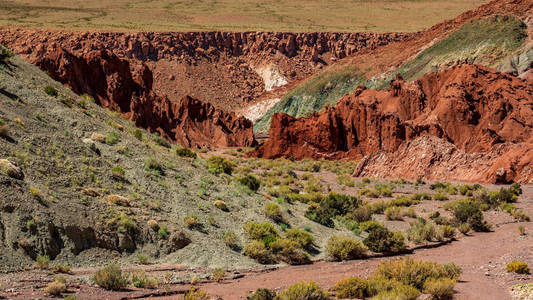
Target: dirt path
483, 258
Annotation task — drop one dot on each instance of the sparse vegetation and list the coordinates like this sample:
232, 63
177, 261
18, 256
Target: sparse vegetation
218, 165
518, 267
51, 91
185, 152
56, 288
304, 290
251, 182
111, 278
345, 248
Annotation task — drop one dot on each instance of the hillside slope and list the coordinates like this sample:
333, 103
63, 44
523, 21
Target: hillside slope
85, 186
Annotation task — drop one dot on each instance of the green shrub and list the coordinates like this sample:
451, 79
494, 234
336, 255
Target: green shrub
420, 196
445, 232
398, 292
351, 287
258, 251
221, 205
125, 224
218, 165
42, 261
112, 138
154, 166
163, 232
273, 211
56, 288
191, 221
464, 228
345, 248
383, 241
218, 274
467, 211
439, 288
185, 152
110, 278
51, 91
421, 230
251, 182
230, 239
142, 258
361, 214
402, 201
394, 213
138, 134
264, 232
518, 267
262, 294
195, 293
415, 272
333, 205
369, 226
305, 239
304, 291
139, 279
439, 196
290, 251
345, 179
118, 172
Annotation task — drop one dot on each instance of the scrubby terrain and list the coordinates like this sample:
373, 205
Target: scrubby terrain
266, 165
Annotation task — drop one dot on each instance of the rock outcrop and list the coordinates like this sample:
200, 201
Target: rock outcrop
172, 45
113, 84
471, 107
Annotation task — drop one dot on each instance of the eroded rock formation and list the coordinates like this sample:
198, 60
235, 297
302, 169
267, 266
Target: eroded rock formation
113, 84
471, 107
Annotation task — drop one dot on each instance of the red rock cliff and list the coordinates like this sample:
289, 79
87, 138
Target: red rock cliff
469, 106
110, 80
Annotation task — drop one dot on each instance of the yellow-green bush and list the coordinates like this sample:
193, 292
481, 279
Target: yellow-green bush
110, 278
345, 248
351, 287
290, 252
439, 288
273, 211
304, 290
305, 239
258, 251
518, 267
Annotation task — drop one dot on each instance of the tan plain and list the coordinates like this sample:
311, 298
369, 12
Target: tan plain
232, 15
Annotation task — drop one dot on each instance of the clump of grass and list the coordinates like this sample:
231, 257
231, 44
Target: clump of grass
304, 290
185, 152
345, 248
163, 232
50, 91
117, 172
221, 205
112, 138
251, 182
230, 239
57, 287
42, 262
273, 211
111, 278
191, 221
518, 267
139, 279
218, 274
142, 258
218, 165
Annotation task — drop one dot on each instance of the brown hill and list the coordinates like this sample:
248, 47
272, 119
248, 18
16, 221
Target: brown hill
469, 106
112, 83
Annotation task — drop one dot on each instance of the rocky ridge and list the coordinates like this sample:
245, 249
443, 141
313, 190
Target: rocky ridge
471, 107
113, 84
